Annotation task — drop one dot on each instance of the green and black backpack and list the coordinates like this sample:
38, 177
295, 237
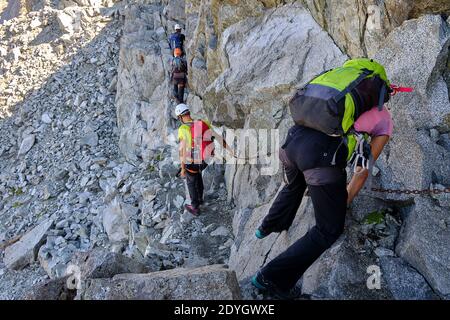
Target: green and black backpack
332, 101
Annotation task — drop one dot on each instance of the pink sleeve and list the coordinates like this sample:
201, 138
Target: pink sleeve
384, 126
375, 123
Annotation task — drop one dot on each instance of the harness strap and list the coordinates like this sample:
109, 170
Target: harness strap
333, 161
381, 98
191, 171
352, 85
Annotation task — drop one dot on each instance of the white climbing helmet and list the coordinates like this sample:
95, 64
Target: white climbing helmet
177, 27
181, 109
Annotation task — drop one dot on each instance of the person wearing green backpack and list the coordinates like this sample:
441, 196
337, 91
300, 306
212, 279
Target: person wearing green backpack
334, 115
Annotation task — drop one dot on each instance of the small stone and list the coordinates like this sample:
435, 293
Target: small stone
186, 217
90, 139
27, 144
35, 23
84, 197
383, 252
113, 85
16, 53
59, 49
101, 99
59, 241
208, 228
168, 264
434, 134
46, 118
65, 22
84, 181
229, 243
62, 224
178, 202
375, 171
220, 231
67, 122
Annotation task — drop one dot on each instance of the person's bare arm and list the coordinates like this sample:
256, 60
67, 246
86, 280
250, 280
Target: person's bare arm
182, 153
359, 178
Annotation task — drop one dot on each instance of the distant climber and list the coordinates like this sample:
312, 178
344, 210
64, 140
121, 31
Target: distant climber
335, 114
178, 75
196, 150
176, 40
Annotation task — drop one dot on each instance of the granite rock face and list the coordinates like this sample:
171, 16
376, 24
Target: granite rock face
88, 140
360, 27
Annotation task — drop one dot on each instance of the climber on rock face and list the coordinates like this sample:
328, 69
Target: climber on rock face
176, 40
315, 155
178, 75
196, 139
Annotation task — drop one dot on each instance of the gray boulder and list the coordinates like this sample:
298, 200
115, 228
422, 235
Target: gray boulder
116, 220
403, 281
55, 260
413, 159
248, 253
205, 283
341, 273
55, 289
345, 272
24, 252
423, 243
101, 263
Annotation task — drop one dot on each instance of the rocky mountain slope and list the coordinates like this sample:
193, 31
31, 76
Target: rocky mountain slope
88, 145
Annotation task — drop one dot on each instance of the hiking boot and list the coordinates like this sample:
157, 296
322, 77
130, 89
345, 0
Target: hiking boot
263, 284
261, 234
192, 210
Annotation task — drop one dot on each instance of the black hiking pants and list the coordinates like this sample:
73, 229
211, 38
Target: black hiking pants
307, 149
178, 92
194, 181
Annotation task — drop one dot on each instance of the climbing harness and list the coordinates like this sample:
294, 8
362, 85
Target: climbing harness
362, 155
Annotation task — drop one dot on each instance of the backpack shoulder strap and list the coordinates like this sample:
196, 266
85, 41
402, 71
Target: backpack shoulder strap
352, 85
